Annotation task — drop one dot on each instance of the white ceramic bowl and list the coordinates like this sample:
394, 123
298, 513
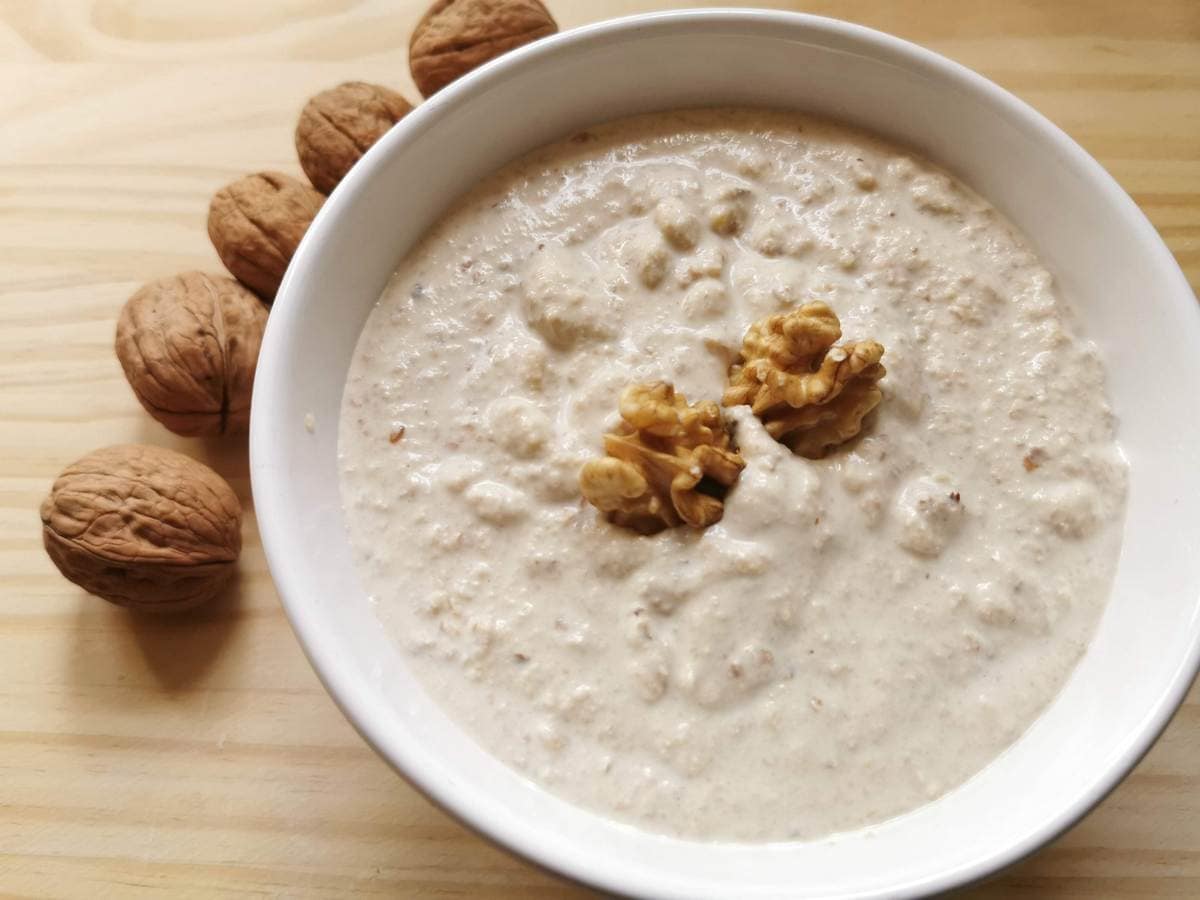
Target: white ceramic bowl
1134, 302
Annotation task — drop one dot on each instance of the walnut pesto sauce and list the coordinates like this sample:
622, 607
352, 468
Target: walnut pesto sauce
858, 634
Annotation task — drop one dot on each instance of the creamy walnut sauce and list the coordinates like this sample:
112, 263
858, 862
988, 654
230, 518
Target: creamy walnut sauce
859, 634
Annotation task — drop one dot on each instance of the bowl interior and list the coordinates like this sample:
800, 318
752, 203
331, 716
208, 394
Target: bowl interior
1129, 293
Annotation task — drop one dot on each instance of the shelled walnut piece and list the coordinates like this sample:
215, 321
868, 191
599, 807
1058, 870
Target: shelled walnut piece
668, 463
810, 395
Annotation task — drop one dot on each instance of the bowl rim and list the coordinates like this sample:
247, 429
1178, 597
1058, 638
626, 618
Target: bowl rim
268, 480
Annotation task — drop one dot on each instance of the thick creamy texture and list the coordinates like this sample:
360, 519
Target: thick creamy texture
859, 634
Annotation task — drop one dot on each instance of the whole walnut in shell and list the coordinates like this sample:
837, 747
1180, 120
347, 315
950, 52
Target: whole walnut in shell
143, 527
456, 36
256, 224
337, 127
189, 346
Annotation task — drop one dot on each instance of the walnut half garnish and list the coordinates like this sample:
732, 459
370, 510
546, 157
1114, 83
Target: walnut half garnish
810, 395
668, 463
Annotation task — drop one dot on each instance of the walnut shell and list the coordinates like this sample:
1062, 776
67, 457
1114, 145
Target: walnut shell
143, 527
456, 36
256, 224
337, 127
189, 346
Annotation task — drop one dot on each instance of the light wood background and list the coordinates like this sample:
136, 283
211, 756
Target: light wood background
200, 755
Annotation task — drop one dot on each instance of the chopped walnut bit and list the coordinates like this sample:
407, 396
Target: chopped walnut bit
668, 463
396, 435
810, 395
1034, 459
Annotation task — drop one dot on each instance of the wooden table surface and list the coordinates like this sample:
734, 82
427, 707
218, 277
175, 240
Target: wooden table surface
200, 754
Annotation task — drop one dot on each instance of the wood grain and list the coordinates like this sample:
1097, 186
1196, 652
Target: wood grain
200, 755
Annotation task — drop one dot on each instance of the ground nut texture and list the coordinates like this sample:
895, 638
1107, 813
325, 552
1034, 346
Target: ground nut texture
860, 633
